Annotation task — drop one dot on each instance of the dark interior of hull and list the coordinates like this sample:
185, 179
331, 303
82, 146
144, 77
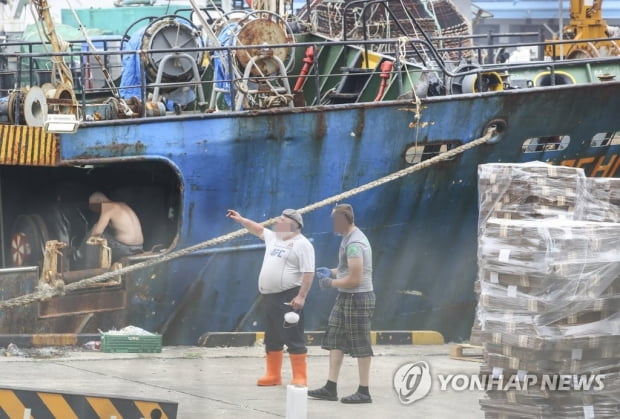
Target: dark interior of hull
51, 203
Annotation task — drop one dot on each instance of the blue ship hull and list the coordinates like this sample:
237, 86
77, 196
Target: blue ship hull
423, 228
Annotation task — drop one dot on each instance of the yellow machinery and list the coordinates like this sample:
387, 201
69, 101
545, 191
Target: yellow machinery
586, 23
53, 273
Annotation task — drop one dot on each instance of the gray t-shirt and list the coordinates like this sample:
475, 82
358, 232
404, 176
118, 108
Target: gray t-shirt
285, 262
355, 245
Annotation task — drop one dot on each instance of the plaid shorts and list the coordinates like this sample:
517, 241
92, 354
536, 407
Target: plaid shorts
348, 328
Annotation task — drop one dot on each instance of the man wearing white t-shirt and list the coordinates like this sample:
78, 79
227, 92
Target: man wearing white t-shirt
284, 281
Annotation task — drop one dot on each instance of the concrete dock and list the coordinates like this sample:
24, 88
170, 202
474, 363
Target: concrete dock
221, 382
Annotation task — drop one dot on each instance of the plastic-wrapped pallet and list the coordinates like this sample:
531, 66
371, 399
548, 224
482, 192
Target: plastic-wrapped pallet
603, 200
529, 191
549, 290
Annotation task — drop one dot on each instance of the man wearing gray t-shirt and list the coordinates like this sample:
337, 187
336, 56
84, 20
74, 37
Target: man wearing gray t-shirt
348, 328
284, 281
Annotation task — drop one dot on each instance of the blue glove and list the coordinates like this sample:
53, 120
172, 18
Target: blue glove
325, 283
323, 273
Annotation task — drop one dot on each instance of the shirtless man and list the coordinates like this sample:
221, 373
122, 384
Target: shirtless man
125, 237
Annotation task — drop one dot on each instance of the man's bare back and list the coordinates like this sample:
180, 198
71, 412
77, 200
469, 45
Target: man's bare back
123, 221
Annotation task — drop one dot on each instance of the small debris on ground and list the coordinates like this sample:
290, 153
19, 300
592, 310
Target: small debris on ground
93, 345
13, 350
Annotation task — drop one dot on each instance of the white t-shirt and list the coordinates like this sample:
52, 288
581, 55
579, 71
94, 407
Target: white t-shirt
285, 262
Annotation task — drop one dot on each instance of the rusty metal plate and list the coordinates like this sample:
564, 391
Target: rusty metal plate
15, 282
81, 303
262, 32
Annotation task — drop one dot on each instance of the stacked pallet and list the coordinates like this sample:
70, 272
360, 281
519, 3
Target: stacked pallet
549, 292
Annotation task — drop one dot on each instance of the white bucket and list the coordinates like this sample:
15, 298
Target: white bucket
296, 402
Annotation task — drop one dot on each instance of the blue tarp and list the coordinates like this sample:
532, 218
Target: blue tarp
222, 75
132, 65
130, 78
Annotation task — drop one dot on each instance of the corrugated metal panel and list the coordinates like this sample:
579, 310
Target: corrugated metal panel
27, 146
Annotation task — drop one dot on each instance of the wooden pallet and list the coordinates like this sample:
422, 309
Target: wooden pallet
457, 352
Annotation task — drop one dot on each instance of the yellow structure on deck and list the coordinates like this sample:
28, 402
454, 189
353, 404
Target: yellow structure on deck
586, 23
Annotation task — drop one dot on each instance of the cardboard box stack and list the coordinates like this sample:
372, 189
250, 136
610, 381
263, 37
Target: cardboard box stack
549, 292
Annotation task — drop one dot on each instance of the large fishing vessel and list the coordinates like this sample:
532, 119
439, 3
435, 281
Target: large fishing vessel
192, 113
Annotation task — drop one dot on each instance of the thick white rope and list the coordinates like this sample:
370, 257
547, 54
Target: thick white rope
49, 292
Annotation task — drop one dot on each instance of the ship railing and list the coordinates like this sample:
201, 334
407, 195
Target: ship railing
536, 40
480, 49
74, 56
81, 59
29, 57
421, 50
430, 54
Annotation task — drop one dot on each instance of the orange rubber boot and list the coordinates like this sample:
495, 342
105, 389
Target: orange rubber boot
298, 364
273, 376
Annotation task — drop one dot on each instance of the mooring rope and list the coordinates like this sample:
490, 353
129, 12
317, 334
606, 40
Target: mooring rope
49, 292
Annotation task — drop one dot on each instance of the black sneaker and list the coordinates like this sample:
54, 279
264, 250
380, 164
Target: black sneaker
356, 398
323, 394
